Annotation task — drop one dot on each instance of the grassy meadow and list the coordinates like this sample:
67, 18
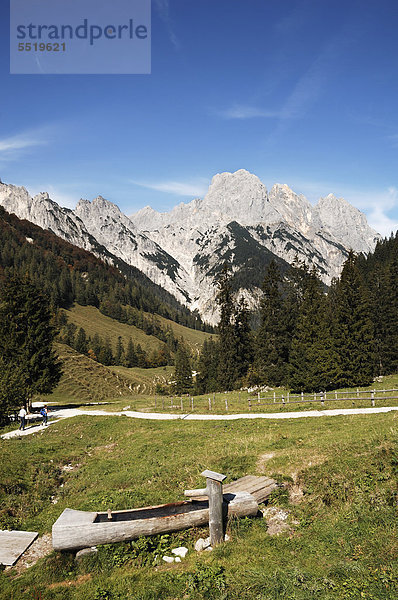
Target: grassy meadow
93, 321
341, 490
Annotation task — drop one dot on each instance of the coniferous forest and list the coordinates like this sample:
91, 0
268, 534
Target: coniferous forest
309, 338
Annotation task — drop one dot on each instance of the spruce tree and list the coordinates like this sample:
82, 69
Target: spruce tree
81, 343
207, 379
182, 371
311, 361
119, 355
131, 357
28, 364
228, 362
354, 331
271, 340
243, 339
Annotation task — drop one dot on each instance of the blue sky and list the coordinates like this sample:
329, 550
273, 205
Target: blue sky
297, 92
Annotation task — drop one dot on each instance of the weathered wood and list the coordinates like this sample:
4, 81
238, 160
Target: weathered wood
200, 492
74, 530
216, 527
13, 544
260, 487
213, 475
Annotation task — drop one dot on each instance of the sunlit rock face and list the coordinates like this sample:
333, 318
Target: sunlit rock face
237, 221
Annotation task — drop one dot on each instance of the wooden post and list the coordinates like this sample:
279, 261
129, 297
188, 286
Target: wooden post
258, 398
226, 403
274, 397
283, 400
192, 403
239, 397
156, 403
288, 397
250, 404
322, 399
357, 393
335, 395
372, 396
302, 396
214, 492
209, 403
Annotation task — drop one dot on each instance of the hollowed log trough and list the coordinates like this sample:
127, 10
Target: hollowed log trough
76, 529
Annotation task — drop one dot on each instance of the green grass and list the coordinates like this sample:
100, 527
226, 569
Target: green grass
192, 337
93, 321
343, 543
238, 402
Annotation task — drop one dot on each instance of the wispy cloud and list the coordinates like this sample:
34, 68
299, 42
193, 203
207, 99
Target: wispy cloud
19, 142
196, 189
162, 8
240, 111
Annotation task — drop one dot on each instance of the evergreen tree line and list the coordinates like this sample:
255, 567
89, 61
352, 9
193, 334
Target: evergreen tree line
100, 348
309, 339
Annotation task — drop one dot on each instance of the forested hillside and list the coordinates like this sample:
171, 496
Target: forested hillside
68, 274
309, 338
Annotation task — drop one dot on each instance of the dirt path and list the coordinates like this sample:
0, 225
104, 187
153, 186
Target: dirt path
74, 412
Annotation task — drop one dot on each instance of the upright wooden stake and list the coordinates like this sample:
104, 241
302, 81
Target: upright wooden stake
214, 492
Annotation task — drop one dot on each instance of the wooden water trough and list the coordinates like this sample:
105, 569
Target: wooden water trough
76, 529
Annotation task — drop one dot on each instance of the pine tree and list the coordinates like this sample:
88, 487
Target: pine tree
28, 364
272, 346
207, 379
243, 339
81, 344
182, 371
228, 362
105, 355
119, 355
311, 365
131, 357
354, 330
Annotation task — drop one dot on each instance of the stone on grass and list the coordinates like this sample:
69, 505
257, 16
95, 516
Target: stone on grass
181, 551
168, 559
202, 544
86, 552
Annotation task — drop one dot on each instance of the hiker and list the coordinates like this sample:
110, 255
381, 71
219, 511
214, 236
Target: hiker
44, 414
22, 416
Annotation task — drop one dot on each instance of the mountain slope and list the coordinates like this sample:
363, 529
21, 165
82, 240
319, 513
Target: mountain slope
182, 250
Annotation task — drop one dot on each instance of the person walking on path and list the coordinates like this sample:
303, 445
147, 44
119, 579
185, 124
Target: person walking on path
22, 417
44, 414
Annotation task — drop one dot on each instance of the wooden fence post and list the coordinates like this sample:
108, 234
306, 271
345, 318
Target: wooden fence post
226, 403
274, 398
322, 399
250, 404
372, 395
192, 403
283, 400
209, 403
258, 397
